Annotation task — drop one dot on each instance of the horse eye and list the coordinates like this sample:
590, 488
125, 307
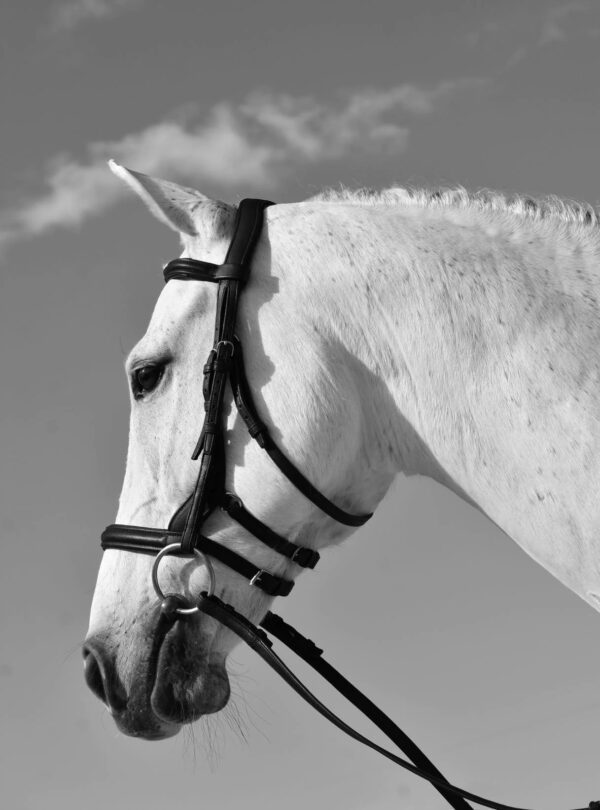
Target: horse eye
145, 379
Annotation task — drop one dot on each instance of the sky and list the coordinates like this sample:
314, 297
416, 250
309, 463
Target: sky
480, 655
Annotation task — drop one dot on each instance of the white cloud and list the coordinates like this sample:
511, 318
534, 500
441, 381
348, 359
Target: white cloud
554, 27
258, 142
68, 14
543, 27
553, 23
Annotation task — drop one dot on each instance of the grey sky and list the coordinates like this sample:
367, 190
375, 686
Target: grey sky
483, 657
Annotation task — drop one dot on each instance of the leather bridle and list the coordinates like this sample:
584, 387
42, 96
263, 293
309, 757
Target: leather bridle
183, 535
224, 361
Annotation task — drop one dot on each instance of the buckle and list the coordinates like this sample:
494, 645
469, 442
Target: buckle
221, 352
231, 501
305, 557
270, 584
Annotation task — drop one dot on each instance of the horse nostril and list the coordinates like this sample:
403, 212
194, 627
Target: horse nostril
96, 669
93, 675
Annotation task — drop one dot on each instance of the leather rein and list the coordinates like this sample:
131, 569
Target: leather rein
183, 535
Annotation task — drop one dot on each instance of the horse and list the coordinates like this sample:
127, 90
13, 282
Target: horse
443, 333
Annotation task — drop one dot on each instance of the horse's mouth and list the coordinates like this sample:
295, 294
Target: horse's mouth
188, 682
178, 679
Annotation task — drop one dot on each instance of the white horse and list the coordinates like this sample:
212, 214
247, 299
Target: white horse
443, 334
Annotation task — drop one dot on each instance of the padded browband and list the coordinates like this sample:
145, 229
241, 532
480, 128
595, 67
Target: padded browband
194, 270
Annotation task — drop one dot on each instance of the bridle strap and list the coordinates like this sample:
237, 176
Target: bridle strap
312, 655
236, 268
234, 506
259, 431
210, 446
225, 362
124, 537
193, 269
190, 270
151, 541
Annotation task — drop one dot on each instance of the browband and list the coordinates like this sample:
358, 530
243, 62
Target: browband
195, 270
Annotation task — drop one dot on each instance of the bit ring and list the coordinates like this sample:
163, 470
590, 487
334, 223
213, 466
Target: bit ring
173, 549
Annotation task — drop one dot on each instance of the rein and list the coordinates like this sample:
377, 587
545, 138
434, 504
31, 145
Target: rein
308, 652
183, 535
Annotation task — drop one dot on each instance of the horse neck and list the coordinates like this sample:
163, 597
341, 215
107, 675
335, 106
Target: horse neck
470, 341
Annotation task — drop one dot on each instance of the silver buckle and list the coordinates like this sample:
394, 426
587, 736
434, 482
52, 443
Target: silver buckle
256, 578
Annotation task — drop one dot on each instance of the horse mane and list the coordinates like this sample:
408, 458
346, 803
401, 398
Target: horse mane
544, 208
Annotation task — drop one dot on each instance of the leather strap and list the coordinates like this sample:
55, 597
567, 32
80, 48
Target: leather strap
304, 557
137, 538
190, 269
274, 586
195, 270
311, 654
210, 445
308, 651
259, 431
151, 541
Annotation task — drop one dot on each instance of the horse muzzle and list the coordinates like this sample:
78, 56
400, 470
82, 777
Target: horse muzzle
159, 677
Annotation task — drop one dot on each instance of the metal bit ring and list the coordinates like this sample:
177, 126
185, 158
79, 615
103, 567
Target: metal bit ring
174, 548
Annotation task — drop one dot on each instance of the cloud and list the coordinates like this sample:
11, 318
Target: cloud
256, 143
69, 14
475, 37
553, 24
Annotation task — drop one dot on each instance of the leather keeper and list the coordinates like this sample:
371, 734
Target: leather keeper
234, 272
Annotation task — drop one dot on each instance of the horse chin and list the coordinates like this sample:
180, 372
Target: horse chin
179, 679
180, 702
189, 681
146, 727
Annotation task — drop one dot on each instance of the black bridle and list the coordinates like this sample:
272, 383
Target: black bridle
184, 533
224, 361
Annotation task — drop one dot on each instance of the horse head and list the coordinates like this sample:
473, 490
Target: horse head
154, 678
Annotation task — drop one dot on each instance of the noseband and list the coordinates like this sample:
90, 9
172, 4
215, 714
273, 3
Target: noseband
184, 537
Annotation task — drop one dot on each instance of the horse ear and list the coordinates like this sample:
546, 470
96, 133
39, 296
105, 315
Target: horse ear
181, 208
